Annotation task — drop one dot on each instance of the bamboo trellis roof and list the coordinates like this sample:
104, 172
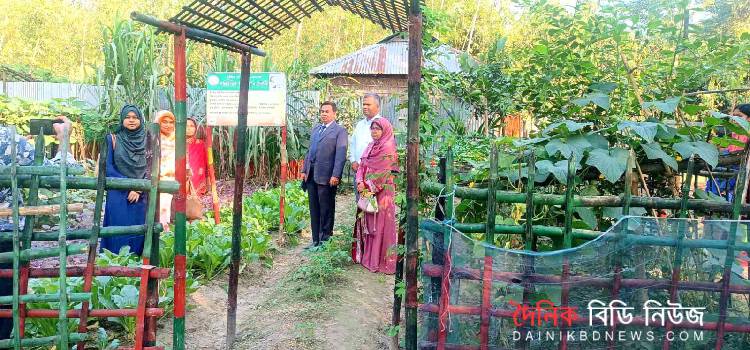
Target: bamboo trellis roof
254, 22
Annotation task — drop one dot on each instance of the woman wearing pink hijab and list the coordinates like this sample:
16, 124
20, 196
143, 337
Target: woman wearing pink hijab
376, 243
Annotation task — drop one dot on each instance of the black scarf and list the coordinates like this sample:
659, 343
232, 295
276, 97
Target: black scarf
130, 151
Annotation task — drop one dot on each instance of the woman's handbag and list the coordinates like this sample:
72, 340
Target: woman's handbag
368, 203
193, 205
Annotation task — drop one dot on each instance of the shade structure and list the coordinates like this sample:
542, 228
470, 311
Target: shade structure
256, 22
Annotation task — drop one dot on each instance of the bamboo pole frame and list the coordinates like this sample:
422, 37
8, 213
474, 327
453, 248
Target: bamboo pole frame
528, 278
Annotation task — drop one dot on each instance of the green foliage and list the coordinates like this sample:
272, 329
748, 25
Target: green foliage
264, 206
132, 68
209, 245
325, 267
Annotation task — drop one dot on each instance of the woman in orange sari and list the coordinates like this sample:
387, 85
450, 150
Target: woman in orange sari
166, 122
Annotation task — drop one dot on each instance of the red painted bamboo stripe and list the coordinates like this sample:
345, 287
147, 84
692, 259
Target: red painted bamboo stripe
24, 274
616, 285
445, 292
179, 286
78, 271
88, 279
581, 320
484, 328
672, 297
428, 345
48, 313
140, 317
432, 270
564, 296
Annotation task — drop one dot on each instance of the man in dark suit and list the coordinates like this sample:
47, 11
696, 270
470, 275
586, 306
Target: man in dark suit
321, 173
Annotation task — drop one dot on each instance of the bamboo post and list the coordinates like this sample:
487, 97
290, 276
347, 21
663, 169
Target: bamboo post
16, 242
570, 185
489, 238
445, 291
29, 225
529, 238
739, 189
437, 250
489, 235
239, 182
412, 171
399, 277
569, 203
212, 174
180, 97
94, 238
282, 191
62, 242
679, 236
620, 236
151, 246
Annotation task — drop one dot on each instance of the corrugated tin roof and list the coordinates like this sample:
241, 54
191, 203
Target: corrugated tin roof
388, 57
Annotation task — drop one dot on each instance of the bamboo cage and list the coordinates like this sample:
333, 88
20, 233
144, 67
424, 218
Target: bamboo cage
23, 253
454, 318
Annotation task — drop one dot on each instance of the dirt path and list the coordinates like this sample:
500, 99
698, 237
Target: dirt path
272, 315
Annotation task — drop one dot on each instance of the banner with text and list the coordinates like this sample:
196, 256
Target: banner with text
266, 99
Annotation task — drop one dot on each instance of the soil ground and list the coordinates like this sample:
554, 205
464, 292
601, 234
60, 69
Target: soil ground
354, 314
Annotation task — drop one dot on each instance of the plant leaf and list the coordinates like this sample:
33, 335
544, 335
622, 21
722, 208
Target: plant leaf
559, 169
646, 130
588, 216
667, 106
565, 126
597, 141
705, 150
597, 98
653, 151
611, 163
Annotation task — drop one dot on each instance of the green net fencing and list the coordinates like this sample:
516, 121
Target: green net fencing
645, 283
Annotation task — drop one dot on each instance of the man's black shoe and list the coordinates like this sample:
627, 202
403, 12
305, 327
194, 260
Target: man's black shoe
312, 245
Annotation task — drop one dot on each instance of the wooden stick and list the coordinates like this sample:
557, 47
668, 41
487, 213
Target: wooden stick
707, 92
42, 210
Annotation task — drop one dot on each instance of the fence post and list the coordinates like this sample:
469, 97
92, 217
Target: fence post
489, 233
29, 227
62, 243
180, 238
679, 236
489, 238
739, 190
94, 239
437, 251
239, 182
445, 283
529, 238
412, 171
151, 240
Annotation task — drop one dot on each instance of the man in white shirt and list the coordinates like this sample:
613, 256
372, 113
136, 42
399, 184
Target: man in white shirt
361, 136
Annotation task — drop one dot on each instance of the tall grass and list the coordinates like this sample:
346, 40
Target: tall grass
132, 68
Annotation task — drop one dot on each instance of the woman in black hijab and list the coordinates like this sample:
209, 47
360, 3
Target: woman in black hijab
126, 158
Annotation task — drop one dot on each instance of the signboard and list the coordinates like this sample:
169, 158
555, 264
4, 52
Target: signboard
266, 99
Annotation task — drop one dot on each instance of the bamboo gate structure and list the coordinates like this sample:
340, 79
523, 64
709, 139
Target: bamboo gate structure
242, 27
443, 277
63, 178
